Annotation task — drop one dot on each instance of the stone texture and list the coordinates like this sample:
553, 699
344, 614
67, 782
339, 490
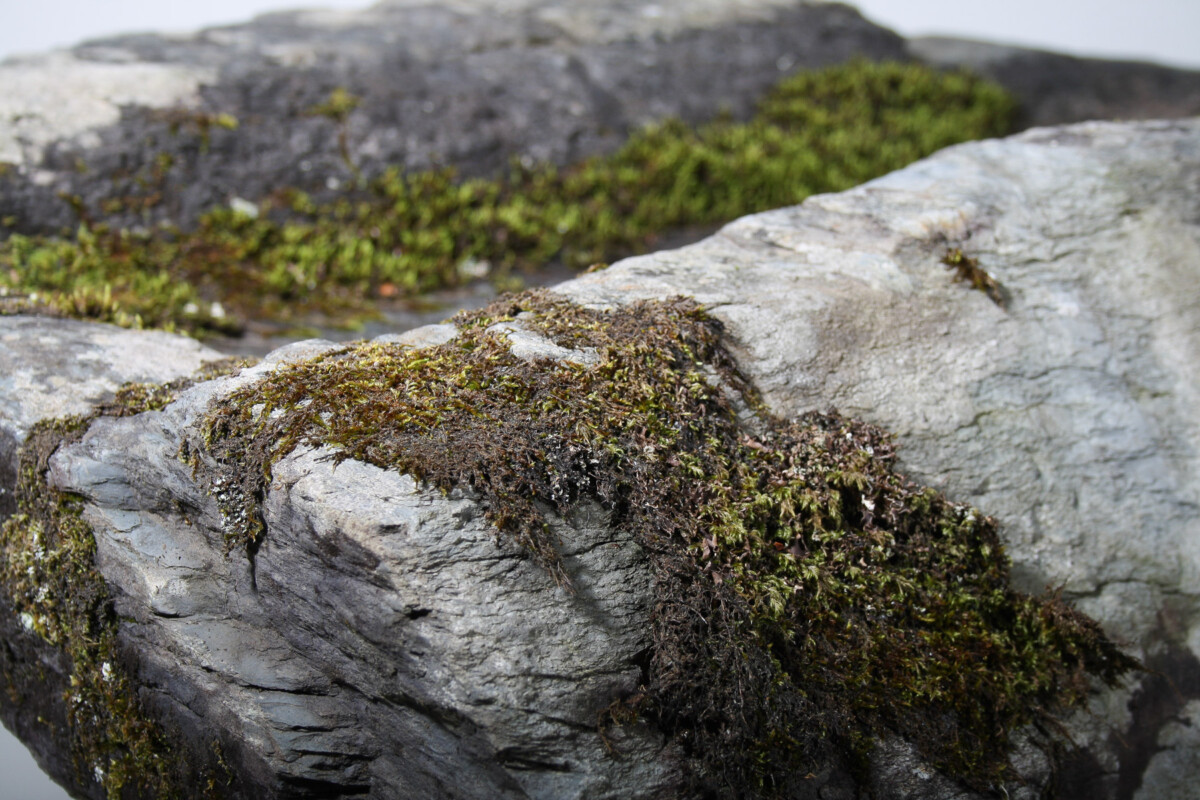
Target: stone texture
56, 368
1173, 769
383, 641
1071, 416
1054, 88
472, 83
382, 638
53, 368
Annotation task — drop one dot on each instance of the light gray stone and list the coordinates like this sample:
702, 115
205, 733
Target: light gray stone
382, 639
424, 336
58, 97
1173, 769
529, 346
53, 368
1071, 416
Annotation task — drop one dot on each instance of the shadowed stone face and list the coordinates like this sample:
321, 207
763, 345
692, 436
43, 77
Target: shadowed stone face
356, 648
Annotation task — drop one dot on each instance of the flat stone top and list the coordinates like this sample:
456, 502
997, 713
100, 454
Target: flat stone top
466, 84
59, 367
1073, 415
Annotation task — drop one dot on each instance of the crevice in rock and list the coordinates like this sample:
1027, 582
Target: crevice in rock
1172, 679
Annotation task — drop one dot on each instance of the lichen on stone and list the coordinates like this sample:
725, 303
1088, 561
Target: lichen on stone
808, 600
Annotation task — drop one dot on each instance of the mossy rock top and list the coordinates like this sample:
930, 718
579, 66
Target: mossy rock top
851, 298
838, 603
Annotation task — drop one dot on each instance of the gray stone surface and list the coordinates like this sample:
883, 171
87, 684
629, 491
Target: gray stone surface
53, 368
56, 368
382, 636
1072, 416
1054, 88
1173, 769
471, 83
383, 640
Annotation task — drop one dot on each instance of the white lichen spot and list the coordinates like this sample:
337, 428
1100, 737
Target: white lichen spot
27, 621
106, 671
240, 205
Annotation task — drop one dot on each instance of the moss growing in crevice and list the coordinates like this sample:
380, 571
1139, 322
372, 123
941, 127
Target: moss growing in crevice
48, 572
808, 598
405, 234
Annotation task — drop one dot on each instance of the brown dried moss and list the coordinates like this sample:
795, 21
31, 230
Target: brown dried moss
808, 598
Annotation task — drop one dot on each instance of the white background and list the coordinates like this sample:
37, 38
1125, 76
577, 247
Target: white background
1167, 31
1155, 30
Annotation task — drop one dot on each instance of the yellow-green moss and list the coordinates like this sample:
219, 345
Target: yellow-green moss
968, 271
48, 571
50, 575
400, 235
806, 595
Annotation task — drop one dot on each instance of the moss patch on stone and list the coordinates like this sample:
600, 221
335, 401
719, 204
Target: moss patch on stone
808, 598
967, 270
48, 571
398, 235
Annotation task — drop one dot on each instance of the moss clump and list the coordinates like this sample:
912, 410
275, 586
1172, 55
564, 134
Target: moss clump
807, 596
968, 271
48, 570
399, 235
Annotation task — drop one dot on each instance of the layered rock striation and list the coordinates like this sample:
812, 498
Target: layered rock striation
380, 637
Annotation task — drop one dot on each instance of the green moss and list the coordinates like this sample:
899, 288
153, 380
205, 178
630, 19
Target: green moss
48, 570
807, 596
968, 271
400, 235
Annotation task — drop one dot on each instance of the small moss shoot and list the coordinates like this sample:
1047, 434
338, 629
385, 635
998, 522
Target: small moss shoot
968, 271
807, 596
399, 235
48, 570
